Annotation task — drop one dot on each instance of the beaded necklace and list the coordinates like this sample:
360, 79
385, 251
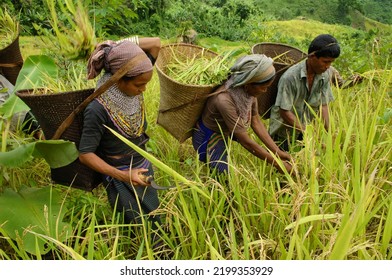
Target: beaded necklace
126, 112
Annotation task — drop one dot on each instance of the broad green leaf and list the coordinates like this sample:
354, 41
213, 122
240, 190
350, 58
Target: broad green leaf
34, 71
12, 106
57, 153
35, 210
18, 156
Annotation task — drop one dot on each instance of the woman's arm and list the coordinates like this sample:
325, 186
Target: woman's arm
152, 45
261, 132
254, 148
96, 163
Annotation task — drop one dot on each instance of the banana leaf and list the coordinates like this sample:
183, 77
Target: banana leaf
35, 70
33, 210
57, 153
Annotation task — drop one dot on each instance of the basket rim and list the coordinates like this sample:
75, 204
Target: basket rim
29, 92
10, 45
176, 82
276, 44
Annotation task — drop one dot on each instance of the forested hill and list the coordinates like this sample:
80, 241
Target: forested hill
227, 19
332, 11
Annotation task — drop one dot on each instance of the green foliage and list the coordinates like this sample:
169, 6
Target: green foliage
9, 27
71, 33
29, 212
32, 75
338, 206
229, 19
113, 16
57, 153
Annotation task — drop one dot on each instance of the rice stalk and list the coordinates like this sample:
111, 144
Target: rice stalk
72, 253
199, 69
386, 241
73, 79
75, 38
284, 58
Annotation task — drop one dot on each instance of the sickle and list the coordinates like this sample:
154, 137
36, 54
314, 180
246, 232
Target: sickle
150, 179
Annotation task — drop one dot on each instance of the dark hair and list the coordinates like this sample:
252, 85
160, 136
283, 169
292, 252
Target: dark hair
324, 45
126, 78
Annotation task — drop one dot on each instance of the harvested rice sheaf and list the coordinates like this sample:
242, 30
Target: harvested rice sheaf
8, 28
199, 69
284, 58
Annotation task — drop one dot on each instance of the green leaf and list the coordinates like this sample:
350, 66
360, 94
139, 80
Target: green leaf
74, 255
33, 210
57, 153
12, 106
313, 218
159, 164
35, 71
18, 156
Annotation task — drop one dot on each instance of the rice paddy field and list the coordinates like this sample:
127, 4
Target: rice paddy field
337, 206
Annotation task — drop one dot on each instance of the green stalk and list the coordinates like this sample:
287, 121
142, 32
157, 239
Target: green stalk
152, 159
74, 255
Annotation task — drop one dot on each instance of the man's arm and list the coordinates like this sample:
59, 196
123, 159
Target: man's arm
291, 119
325, 116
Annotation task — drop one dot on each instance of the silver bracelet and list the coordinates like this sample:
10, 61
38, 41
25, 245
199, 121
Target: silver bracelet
133, 39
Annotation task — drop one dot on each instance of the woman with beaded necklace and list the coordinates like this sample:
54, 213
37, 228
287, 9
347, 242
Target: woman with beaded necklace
121, 108
232, 110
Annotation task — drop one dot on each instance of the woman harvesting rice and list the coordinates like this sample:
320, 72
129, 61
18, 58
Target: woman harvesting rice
121, 108
233, 110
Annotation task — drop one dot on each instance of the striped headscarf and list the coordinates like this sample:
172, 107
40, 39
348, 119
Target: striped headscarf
126, 112
111, 56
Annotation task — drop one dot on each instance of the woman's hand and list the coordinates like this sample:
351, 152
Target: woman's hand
135, 176
132, 176
287, 166
284, 155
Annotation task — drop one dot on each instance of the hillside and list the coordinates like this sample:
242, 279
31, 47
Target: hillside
302, 29
333, 11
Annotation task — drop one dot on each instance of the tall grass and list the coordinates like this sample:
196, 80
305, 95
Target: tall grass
338, 206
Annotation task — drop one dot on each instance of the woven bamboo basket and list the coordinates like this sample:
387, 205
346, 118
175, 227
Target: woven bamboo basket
11, 61
179, 120
291, 54
51, 110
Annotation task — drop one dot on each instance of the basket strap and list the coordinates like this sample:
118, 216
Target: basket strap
11, 65
113, 79
190, 102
